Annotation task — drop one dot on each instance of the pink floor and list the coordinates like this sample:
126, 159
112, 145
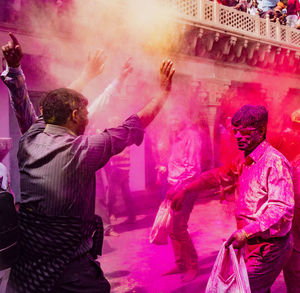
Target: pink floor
132, 264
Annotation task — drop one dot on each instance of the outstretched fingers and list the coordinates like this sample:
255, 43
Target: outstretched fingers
166, 67
162, 66
171, 74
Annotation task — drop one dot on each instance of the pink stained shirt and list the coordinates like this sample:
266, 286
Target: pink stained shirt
265, 201
185, 160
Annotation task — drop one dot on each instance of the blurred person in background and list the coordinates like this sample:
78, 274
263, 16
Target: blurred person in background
183, 166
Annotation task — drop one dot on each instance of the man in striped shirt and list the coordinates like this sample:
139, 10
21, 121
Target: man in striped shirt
57, 168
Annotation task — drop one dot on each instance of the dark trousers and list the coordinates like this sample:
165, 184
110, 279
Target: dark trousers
291, 273
264, 261
119, 184
82, 275
184, 251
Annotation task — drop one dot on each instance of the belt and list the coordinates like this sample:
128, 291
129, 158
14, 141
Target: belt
259, 240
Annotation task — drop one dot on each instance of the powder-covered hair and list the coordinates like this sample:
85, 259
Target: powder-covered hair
58, 105
250, 115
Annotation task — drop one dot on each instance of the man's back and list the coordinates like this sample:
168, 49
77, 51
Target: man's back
58, 168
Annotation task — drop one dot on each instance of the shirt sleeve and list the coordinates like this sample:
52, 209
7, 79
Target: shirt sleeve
103, 99
94, 151
280, 205
14, 79
222, 178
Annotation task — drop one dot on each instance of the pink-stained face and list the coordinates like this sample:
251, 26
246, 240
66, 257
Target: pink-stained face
247, 138
176, 124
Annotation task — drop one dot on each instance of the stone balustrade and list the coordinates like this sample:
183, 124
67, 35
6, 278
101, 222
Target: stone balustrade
219, 17
226, 34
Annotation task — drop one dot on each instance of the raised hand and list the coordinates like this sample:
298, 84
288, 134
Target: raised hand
94, 65
166, 75
126, 69
149, 112
177, 199
12, 52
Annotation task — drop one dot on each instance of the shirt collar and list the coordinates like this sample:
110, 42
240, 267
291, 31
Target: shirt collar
258, 151
57, 129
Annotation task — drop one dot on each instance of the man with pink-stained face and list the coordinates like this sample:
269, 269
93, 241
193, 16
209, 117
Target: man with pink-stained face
262, 177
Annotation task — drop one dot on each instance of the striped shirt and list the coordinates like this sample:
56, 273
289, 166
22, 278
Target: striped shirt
57, 168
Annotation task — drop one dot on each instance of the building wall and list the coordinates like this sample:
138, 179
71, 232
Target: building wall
4, 116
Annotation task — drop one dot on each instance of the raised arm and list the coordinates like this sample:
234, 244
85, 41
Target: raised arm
112, 90
149, 112
92, 68
100, 147
14, 79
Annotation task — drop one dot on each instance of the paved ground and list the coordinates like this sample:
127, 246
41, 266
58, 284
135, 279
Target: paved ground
133, 265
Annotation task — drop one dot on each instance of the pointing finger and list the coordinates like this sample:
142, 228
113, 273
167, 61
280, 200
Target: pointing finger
14, 39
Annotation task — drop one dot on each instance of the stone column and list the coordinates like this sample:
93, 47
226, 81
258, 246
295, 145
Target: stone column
215, 89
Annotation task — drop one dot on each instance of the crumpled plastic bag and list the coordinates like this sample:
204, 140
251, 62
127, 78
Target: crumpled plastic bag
229, 273
160, 229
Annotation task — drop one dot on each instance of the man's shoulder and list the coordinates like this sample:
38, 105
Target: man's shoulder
274, 155
37, 127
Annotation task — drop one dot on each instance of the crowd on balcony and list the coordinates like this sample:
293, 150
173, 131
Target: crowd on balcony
12, 11
286, 11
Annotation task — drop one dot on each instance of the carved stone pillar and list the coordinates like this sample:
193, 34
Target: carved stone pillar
215, 89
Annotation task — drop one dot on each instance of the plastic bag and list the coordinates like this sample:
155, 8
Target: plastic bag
229, 273
160, 229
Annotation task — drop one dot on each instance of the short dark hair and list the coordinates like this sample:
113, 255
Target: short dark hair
58, 105
249, 115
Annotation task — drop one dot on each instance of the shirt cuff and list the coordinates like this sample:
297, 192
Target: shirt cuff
252, 229
12, 71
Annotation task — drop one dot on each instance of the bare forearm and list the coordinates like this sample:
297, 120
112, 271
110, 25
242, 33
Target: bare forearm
105, 98
79, 84
150, 111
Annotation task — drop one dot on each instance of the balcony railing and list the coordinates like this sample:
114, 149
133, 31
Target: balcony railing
212, 14
22, 17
